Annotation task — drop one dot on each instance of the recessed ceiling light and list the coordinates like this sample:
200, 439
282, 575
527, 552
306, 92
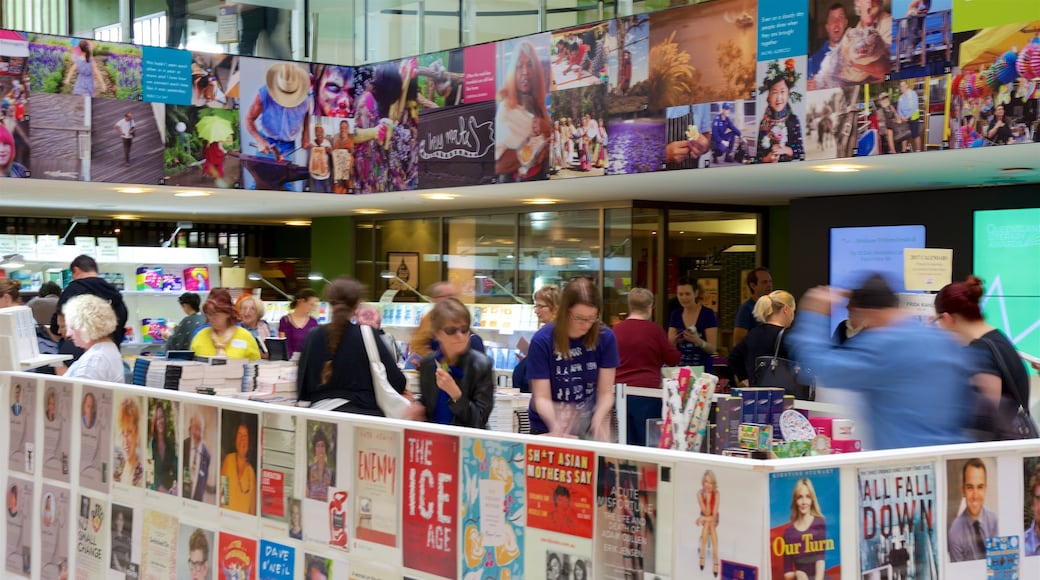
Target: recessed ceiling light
541, 201
1016, 170
368, 211
298, 223
132, 189
125, 216
192, 193
440, 196
838, 168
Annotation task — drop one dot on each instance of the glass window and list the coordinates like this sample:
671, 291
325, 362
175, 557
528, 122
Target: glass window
481, 258
617, 261
408, 250
556, 246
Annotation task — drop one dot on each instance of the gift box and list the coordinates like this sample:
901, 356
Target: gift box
196, 279
846, 446
836, 429
150, 278
153, 329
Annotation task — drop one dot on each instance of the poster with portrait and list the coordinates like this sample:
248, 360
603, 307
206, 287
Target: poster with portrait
14, 103
441, 78
559, 556
971, 498
897, 508
627, 517
91, 538
125, 539
781, 111
376, 485
20, 518
195, 549
278, 470
61, 130
522, 123
579, 137
430, 505
456, 145
804, 516
80, 66
21, 455
702, 53
492, 511
850, 43
95, 416
55, 505
200, 454
200, 147
272, 153
161, 472
126, 145
159, 544
322, 446
236, 557
238, 452
579, 56
628, 47
129, 419
560, 494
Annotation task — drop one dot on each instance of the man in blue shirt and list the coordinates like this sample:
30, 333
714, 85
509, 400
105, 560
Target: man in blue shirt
724, 135
760, 282
835, 27
968, 532
1032, 537
900, 366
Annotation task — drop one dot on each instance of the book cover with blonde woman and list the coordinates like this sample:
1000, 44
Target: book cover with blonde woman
804, 516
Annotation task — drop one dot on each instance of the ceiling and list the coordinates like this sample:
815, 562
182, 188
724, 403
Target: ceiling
751, 185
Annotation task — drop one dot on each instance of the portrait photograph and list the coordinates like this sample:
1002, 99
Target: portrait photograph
127, 456
95, 414
195, 549
238, 471
162, 474
972, 498
21, 425
57, 430
199, 453
522, 123
321, 459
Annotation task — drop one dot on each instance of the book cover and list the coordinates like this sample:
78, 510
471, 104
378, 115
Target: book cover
430, 502
20, 517
559, 489
492, 510
376, 479
236, 557
727, 419
158, 560
804, 516
897, 521
125, 540
57, 428
276, 561
54, 528
626, 519
1002, 558
90, 538
94, 434
195, 550
21, 455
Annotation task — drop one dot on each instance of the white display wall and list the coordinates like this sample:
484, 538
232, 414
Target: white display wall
91, 491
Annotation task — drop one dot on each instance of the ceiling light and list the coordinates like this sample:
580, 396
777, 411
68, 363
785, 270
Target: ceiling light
132, 190
298, 223
1016, 170
541, 201
838, 168
125, 216
368, 211
440, 196
192, 193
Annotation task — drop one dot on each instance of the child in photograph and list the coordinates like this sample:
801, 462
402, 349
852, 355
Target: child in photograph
780, 131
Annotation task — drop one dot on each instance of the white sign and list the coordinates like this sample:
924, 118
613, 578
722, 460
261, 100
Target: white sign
26, 246
107, 249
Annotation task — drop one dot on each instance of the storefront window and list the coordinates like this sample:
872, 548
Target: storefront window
408, 251
556, 246
481, 258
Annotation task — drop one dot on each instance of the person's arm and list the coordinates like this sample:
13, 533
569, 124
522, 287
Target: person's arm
473, 408
604, 403
541, 395
669, 354
393, 372
254, 112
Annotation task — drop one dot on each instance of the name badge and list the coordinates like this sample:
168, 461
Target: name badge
238, 343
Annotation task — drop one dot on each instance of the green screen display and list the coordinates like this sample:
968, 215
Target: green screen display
1007, 258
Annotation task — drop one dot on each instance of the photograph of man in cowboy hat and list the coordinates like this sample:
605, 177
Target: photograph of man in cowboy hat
279, 115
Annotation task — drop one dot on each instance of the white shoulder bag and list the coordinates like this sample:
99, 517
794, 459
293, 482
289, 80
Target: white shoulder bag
392, 403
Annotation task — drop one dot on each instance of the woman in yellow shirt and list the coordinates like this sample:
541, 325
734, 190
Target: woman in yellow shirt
238, 477
223, 336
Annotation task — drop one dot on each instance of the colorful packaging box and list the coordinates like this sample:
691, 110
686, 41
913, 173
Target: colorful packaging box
149, 278
846, 446
836, 429
729, 411
172, 282
756, 436
196, 279
153, 329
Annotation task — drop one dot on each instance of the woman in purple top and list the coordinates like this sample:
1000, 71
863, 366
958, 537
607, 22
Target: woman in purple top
808, 531
571, 366
693, 329
293, 327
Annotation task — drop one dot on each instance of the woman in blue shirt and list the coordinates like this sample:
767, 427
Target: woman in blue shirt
693, 329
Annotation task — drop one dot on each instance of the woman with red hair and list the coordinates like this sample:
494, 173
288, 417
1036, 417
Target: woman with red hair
8, 166
223, 336
1001, 379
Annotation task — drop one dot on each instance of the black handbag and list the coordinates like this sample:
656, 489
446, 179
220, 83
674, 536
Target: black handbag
1011, 419
775, 371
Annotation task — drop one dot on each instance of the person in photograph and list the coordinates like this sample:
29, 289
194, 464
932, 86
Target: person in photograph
12, 501
580, 571
888, 122
725, 136
8, 152
295, 519
909, 110
1031, 540
522, 123
239, 475
317, 569
198, 555
807, 525
121, 539
572, 368
299, 322
213, 161
780, 130
319, 475
968, 532
320, 164
708, 500
332, 91
693, 328
164, 454
251, 311
998, 131
553, 567
126, 127
457, 382
281, 111
128, 468
223, 336
342, 158
196, 458
916, 12
562, 516
180, 338
836, 24
16, 397
89, 321
864, 54
48, 509
51, 405
84, 67
88, 411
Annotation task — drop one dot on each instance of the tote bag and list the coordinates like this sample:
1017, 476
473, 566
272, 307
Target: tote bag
392, 403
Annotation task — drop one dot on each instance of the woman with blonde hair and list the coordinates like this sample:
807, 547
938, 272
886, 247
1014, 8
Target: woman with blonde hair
128, 468
522, 122
808, 528
776, 313
546, 299
89, 322
251, 313
10, 292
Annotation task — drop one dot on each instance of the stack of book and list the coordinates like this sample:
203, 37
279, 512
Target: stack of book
506, 400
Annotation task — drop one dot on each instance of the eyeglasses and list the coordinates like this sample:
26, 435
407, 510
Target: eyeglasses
585, 319
538, 306
198, 564
453, 330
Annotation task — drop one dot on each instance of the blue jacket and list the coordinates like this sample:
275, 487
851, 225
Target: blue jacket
914, 378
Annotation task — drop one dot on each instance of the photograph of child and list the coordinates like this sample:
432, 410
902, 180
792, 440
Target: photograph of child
74, 66
781, 108
579, 57
126, 145
201, 147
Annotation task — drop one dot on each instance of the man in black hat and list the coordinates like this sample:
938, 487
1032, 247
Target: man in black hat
902, 368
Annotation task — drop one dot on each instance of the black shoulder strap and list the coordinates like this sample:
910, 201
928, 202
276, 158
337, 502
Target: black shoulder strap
776, 347
1005, 375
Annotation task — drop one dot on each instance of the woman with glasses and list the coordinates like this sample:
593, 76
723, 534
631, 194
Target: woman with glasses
571, 365
545, 300
456, 382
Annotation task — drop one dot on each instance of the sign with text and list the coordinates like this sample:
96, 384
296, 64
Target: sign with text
927, 269
430, 502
